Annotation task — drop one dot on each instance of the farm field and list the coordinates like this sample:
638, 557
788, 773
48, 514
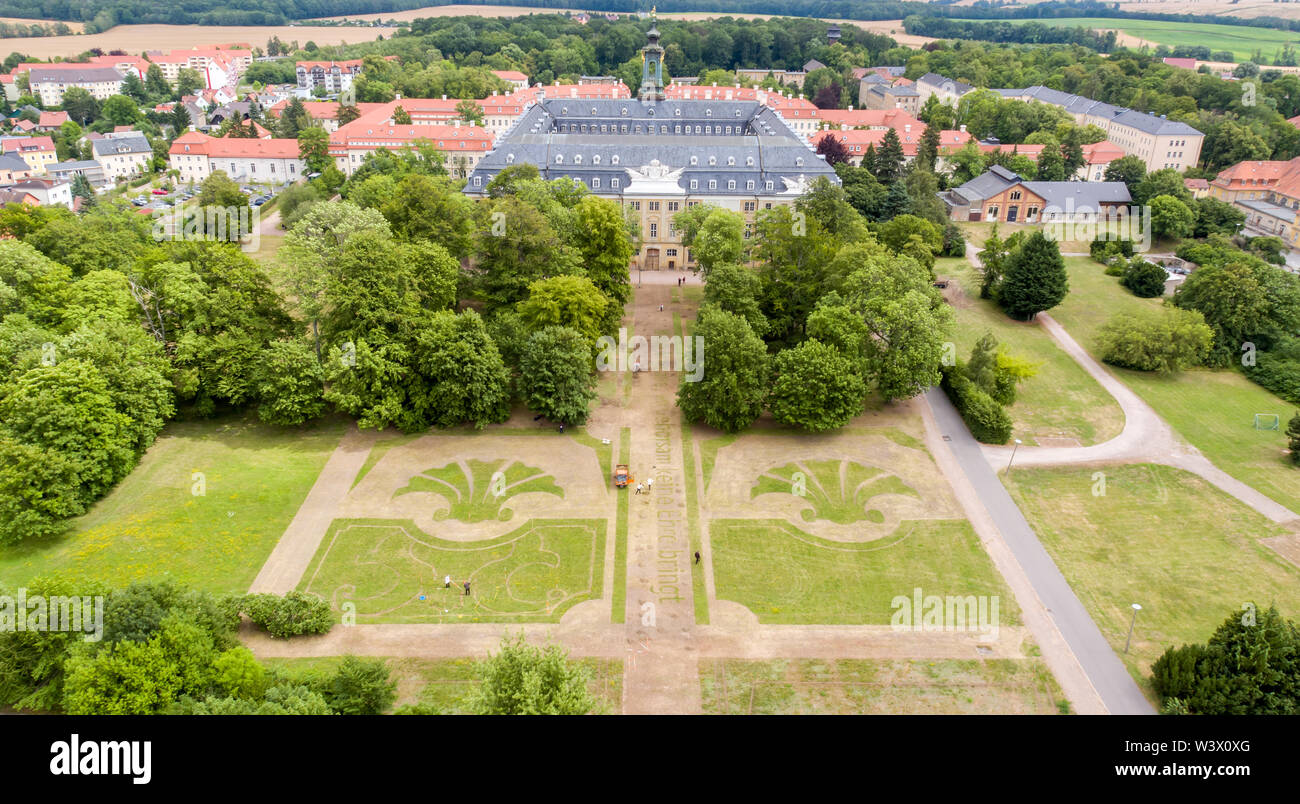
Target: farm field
139, 38
1242, 40
155, 524
1187, 552
879, 687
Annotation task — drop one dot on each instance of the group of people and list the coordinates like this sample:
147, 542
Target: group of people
446, 584
649, 482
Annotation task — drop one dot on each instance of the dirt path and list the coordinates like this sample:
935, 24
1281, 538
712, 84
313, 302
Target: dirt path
293, 553
662, 671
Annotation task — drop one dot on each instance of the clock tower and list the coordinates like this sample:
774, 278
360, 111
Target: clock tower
652, 67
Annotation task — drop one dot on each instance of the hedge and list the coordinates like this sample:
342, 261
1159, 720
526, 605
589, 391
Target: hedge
988, 421
292, 615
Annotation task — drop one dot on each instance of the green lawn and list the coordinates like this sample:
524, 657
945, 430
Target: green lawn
1242, 40
153, 525
1061, 400
1212, 410
789, 577
446, 684
393, 572
878, 687
1188, 553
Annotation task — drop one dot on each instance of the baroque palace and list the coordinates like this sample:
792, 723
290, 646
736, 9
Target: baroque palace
658, 156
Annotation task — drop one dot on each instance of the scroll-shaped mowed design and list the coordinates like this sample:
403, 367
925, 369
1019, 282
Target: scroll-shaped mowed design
840, 491
477, 491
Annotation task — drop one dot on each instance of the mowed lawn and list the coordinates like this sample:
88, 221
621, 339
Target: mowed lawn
391, 571
1212, 410
1061, 400
155, 524
789, 577
1160, 537
1242, 40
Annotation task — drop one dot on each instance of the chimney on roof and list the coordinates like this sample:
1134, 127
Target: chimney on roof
444, 97
963, 128
907, 127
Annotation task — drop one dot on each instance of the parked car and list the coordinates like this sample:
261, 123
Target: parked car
160, 192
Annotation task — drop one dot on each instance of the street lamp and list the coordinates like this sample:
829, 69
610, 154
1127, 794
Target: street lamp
1136, 608
1013, 455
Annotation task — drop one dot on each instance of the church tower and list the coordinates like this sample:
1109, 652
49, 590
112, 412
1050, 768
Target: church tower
652, 67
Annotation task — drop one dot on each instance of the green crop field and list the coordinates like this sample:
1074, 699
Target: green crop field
1242, 40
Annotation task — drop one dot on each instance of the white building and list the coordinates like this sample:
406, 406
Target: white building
49, 84
195, 156
122, 155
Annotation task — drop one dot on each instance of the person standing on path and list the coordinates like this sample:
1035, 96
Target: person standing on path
697, 556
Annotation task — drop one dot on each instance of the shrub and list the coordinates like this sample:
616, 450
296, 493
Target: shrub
292, 615
1146, 280
1164, 340
361, 687
1277, 373
988, 421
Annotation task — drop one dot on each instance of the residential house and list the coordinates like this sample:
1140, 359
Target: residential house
92, 170
948, 90
50, 121
122, 155
48, 192
878, 94
13, 168
37, 152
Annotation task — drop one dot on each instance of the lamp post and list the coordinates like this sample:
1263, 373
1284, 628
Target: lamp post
1136, 608
1013, 455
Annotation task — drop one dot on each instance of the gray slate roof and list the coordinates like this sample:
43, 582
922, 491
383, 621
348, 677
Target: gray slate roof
550, 136
129, 143
938, 81
1082, 194
89, 75
13, 162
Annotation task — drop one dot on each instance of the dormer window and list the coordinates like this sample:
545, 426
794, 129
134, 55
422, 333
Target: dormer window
749, 161
625, 111
559, 159
677, 112
708, 113
510, 158
614, 159
798, 162
577, 159
731, 160
695, 160
595, 160
593, 111
713, 160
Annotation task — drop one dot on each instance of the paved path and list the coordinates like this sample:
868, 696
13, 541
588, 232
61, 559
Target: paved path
293, 553
1107, 674
1146, 437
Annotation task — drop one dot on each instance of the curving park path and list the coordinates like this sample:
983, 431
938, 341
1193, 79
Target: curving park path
1146, 438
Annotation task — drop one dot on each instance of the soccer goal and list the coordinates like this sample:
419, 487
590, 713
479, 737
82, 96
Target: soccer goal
1267, 421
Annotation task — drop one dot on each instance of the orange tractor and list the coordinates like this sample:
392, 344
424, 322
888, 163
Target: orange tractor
622, 477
